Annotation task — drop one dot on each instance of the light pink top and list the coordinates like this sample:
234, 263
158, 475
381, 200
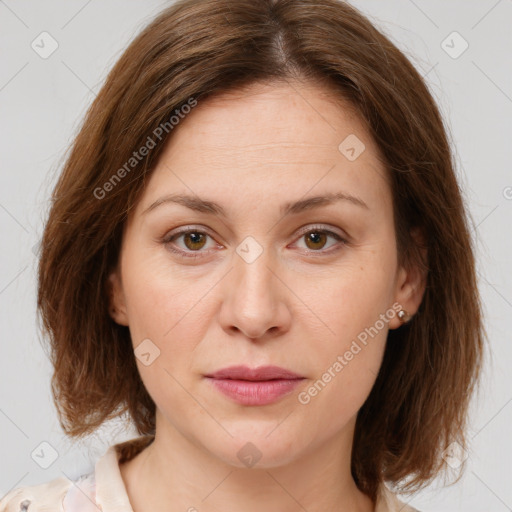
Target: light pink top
104, 490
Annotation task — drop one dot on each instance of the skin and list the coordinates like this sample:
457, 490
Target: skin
299, 305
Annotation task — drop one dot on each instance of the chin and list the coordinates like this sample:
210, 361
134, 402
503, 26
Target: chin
254, 447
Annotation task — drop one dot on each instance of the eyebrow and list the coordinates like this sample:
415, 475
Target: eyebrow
293, 207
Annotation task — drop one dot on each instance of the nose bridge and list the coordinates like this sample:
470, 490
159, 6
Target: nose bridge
253, 278
252, 301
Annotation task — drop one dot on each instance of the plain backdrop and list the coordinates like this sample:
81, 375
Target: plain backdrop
42, 102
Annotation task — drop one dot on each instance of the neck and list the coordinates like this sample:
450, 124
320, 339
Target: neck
174, 474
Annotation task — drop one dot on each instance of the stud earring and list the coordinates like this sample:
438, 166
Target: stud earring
403, 316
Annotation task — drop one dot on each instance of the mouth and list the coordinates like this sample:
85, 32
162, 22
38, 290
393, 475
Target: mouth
259, 386
262, 373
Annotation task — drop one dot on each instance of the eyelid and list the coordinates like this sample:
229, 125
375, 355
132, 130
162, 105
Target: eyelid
306, 228
321, 227
186, 228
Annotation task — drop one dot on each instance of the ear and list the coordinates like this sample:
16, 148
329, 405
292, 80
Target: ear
412, 280
117, 303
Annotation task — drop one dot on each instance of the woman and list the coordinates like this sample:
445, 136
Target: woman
258, 251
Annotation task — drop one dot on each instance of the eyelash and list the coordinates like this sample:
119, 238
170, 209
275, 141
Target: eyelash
195, 254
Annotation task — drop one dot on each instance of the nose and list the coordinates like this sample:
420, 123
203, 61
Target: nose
255, 299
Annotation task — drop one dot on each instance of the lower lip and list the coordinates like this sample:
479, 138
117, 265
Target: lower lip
255, 392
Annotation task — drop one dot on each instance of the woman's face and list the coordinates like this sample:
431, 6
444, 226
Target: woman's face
311, 288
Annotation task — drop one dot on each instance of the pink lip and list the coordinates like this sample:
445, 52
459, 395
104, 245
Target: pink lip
259, 386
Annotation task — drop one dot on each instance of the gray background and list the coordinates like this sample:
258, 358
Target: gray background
42, 102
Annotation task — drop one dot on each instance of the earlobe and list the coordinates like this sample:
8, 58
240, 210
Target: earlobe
411, 282
116, 303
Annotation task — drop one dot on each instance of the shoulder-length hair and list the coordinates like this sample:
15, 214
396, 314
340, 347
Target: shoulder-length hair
198, 48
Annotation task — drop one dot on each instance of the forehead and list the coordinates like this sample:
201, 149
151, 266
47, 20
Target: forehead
268, 119
271, 140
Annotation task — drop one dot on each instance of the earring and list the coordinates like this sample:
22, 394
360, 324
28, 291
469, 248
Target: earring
403, 316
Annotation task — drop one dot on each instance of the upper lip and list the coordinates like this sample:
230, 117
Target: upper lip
260, 373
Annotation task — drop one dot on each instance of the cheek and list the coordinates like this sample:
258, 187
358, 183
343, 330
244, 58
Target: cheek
165, 307
353, 305
344, 378
354, 294
162, 300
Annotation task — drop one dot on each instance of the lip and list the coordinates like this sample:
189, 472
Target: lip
259, 386
242, 372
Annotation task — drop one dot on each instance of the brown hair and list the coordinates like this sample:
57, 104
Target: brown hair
197, 48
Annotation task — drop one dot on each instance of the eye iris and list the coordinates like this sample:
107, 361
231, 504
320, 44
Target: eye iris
315, 237
196, 239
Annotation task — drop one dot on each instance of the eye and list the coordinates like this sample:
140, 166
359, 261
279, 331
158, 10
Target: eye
193, 239
316, 238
